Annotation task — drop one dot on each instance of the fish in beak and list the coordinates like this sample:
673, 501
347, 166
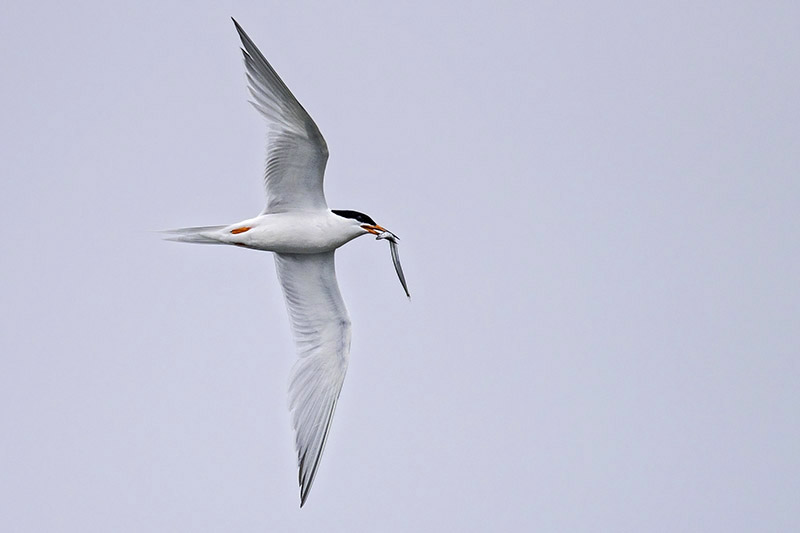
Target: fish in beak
383, 233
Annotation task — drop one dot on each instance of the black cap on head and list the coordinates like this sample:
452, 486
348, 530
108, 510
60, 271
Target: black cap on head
361, 217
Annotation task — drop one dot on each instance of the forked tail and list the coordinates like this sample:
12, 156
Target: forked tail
197, 234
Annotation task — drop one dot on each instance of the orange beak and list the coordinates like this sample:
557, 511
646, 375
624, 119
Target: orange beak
375, 230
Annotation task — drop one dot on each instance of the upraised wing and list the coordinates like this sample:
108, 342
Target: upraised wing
321, 328
296, 151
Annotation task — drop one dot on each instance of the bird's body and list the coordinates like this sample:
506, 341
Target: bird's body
303, 233
292, 232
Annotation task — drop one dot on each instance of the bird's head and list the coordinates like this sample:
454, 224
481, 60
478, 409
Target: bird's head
365, 224
361, 220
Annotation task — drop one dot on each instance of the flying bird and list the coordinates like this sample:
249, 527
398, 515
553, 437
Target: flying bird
303, 234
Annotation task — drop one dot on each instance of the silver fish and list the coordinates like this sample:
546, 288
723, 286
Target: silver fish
394, 240
397, 267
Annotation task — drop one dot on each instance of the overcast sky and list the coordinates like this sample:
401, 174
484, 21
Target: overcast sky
599, 206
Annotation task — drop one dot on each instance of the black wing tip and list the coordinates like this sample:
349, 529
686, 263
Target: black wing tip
306, 476
242, 34
304, 490
303, 497
304, 487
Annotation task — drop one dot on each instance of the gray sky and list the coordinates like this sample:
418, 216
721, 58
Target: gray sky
599, 205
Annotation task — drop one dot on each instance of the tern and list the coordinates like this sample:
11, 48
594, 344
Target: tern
297, 226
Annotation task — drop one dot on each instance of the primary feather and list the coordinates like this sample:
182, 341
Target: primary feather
296, 151
321, 329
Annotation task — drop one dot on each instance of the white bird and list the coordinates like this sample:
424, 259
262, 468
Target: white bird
303, 234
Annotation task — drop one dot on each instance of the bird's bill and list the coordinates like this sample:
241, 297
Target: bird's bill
375, 230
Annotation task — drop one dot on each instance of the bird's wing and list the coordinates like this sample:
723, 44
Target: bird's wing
296, 151
321, 328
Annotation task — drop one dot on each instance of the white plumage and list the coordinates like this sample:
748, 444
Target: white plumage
297, 225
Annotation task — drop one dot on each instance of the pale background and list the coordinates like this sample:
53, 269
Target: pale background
599, 206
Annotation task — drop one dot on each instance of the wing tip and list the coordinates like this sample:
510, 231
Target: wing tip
243, 34
304, 482
305, 477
